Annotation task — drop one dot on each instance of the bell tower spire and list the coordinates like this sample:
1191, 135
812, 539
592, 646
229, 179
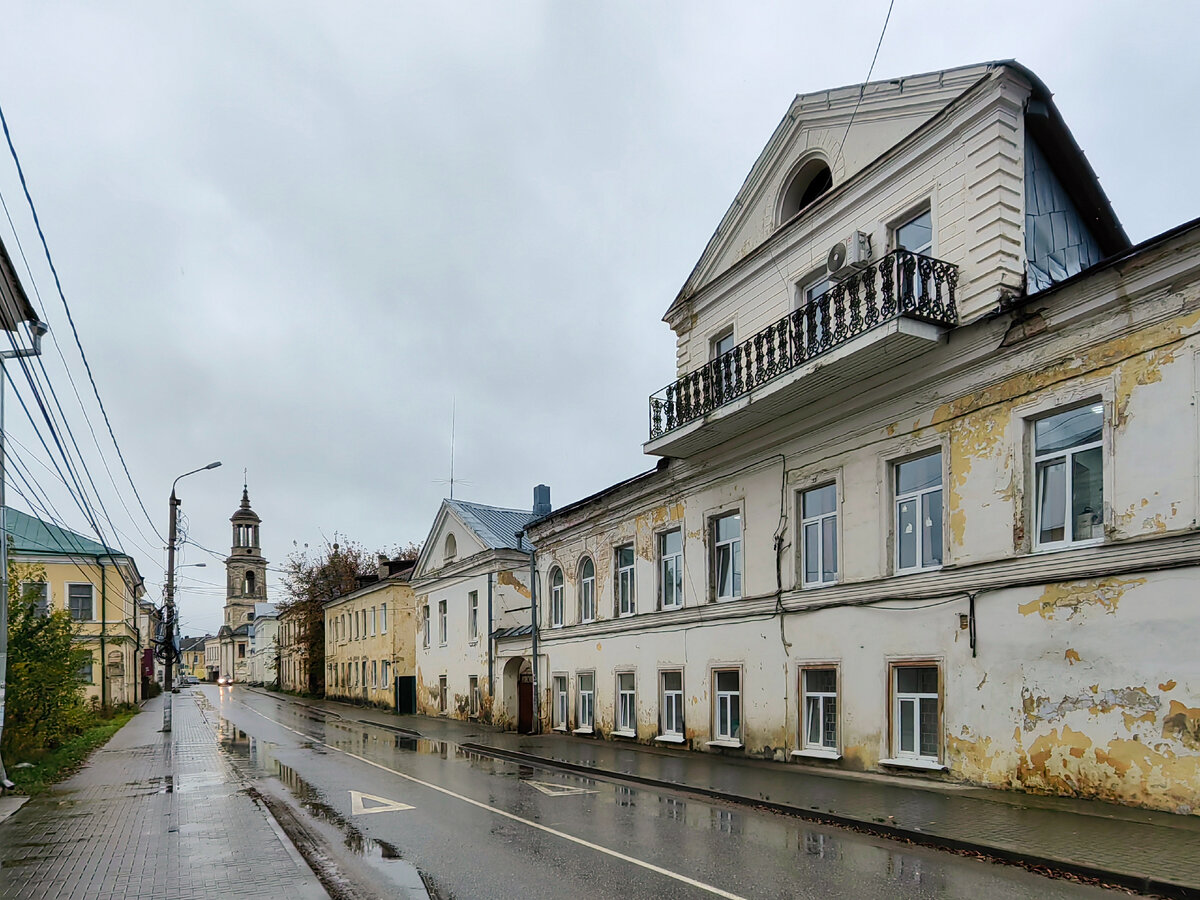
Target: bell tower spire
245, 568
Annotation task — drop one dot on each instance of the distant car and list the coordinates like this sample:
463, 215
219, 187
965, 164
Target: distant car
188, 679
224, 679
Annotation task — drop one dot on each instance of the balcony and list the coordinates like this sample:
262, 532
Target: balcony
882, 315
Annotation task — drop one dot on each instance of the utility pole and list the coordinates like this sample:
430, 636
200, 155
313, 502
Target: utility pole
169, 624
37, 328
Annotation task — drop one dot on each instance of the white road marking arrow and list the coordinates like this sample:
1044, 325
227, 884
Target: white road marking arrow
558, 790
377, 804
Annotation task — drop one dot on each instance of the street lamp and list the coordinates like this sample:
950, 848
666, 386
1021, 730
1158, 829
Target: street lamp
169, 600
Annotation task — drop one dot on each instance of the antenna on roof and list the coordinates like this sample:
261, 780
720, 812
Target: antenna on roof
452, 481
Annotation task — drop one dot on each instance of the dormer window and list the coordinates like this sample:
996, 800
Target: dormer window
811, 180
450, 550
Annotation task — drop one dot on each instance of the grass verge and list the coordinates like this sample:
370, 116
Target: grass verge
55, 765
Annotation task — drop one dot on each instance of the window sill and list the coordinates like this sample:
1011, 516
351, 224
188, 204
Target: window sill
628, 615
474, 642
670, 738
583, 731
623, 733
672, 608
918, 571
561, 729
817, 585
732, 745
727, 599
814, 753
928, 765
1065, 545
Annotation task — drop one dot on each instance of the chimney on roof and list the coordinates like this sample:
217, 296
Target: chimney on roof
382, 567
541, 501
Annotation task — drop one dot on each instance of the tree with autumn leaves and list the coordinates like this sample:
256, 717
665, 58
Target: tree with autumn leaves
313, 577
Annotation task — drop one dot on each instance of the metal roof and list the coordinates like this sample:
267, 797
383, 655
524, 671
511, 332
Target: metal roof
33, 536
496, 527
513, 631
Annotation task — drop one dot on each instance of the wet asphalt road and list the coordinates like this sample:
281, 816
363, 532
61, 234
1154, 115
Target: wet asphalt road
485, 828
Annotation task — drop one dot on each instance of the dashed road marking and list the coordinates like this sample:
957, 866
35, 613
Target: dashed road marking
615, 854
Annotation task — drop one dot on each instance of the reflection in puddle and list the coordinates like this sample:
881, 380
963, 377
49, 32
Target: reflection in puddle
816, 843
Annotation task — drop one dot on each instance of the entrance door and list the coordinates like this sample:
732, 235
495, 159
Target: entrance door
406, 695
525, 703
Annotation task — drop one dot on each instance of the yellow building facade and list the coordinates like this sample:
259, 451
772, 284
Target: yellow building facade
98, 586
370, 637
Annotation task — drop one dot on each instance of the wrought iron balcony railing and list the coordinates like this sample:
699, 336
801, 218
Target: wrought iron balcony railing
902, 284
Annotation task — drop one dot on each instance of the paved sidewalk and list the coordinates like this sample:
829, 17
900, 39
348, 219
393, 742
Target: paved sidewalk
152, 816
1152, 851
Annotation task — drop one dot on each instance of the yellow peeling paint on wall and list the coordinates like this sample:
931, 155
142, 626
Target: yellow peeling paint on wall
1074, 596
509, 579
1071, 656
1182, 723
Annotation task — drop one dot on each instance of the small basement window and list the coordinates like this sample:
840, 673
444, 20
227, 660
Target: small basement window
811, 181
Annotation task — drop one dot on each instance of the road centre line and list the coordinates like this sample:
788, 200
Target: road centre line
616, 854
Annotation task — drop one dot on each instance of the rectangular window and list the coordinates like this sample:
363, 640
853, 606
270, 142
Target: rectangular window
720, 344
354, 617
1068, 458
384, 672
371, 621
727, 556
672, 704
916, 716
727, 695
79, 602
241, 651
558, 713
37, 593
919, 513
473, 695
819, 688
85, 671
916, 235
473, 614
670, 569
442, 693
818, 524
442, 622
374, 673
383, 618
626, 703
557, 607
586, 707
625, 584
425, 625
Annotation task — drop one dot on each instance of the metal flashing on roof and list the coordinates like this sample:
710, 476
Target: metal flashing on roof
496, 527
33, 536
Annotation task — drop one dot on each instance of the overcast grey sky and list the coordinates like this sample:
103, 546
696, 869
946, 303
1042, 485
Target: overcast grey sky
294, 235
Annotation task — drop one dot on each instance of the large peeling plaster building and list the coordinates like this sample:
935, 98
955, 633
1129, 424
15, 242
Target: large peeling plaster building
928, 482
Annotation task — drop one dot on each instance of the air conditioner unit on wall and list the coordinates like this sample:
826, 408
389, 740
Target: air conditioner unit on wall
854, 252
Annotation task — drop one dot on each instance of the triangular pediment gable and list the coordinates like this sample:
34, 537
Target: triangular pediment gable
838, 129
433, 552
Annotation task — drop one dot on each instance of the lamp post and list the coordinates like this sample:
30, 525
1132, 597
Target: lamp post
169, 600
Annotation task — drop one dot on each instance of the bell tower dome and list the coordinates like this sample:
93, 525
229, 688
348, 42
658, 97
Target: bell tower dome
245, 568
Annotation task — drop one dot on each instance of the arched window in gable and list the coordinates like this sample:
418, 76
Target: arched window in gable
450, 549
810, 181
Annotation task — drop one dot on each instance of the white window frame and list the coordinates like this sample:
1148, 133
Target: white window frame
371, 621
671, 707
626, 581
473, 615
717, 338
736, 547
473, 696
907, 218
723, 702
674, 562
823, 699
374, 673
560, 709
585, 707
384, 680
914, 698
425, 637
917, 497
587, 592
443, 630
557, 595
92, 600
1066, 455
443, 694
818, 522
626, 703
383, 618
